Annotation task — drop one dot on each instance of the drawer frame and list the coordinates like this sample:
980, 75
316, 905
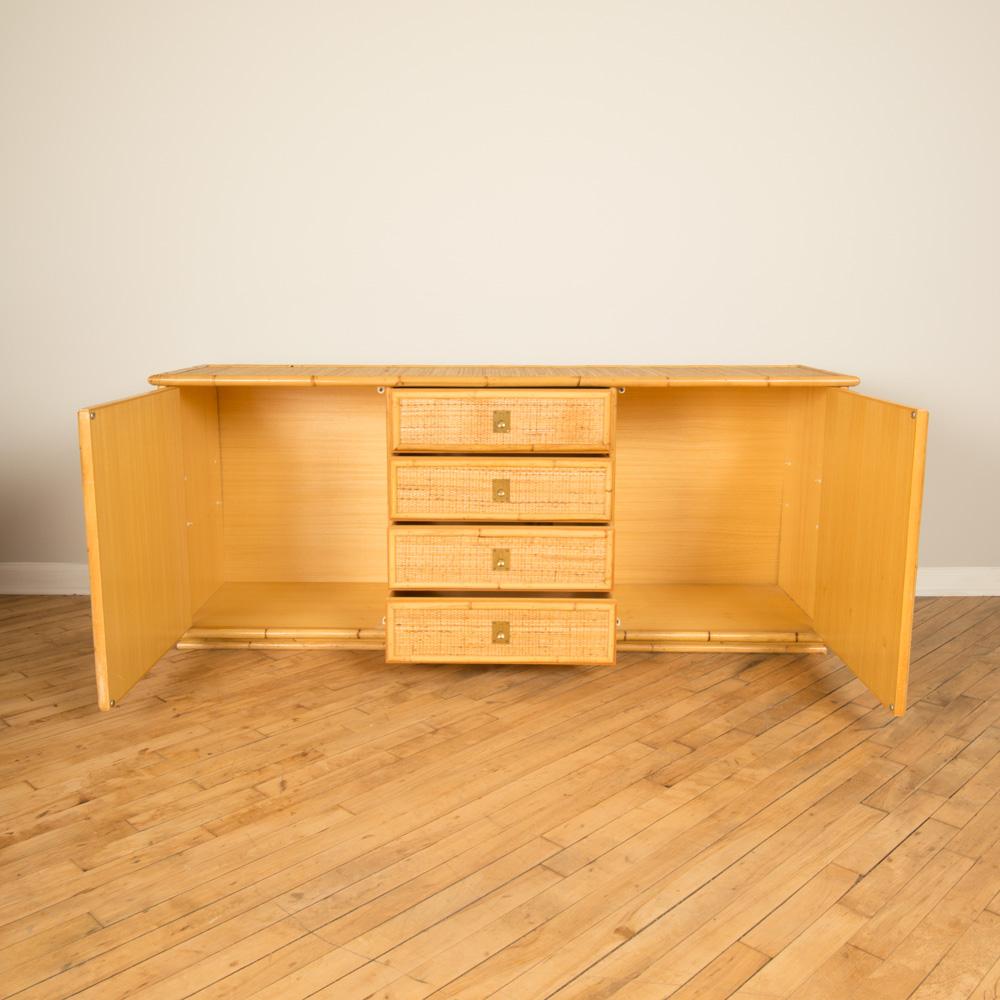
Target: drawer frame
499, 441
503, 512
502, 611
499, 532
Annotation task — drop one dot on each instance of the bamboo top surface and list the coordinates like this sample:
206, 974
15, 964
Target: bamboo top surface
591, 376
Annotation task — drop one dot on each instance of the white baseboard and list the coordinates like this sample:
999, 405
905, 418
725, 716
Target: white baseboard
71, 578
958, 581
44, 578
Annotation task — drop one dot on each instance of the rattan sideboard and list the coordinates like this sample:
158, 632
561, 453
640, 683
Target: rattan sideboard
504, 515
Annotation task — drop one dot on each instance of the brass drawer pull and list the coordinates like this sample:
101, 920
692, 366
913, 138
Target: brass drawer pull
501, 421
501, 490
501, 633
501, 559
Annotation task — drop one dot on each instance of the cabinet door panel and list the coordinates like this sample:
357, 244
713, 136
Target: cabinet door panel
873, 467
133, 487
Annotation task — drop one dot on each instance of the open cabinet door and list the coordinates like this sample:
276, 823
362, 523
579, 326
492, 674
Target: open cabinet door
873, 470
133, 490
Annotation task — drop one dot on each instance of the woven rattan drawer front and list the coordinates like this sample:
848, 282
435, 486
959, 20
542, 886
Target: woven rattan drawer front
500, 489
512, 630
452, 557
509, 420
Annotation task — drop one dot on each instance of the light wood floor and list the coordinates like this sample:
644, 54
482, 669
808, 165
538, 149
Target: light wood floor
317, 824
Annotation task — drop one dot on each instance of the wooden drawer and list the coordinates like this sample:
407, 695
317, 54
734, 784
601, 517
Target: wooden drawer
500, 489
509, 420
488, 630
452, 557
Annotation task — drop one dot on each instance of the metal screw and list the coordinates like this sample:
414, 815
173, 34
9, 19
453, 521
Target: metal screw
621, 389
113, 703
380, 389
93, 416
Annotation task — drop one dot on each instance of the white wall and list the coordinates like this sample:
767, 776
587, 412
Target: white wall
192, 181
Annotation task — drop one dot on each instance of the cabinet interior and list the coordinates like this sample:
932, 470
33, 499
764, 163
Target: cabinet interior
716, 511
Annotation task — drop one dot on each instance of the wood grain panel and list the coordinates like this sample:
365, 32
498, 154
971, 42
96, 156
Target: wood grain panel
869, 527
133, 489
199, 411
803, 487
274, 607
705, 611
699, 477
304, 484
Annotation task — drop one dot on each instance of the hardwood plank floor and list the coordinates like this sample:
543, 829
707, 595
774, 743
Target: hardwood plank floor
318, 824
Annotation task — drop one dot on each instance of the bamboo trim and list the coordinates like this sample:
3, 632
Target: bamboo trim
336, 635
509, 376
207, 643
664, 635
721, 635
378, 644
717, 647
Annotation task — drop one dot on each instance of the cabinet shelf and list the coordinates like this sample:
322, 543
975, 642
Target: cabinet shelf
754, 508
336, 615
667, 617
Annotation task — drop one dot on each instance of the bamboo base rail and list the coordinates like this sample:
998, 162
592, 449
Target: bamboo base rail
642, 641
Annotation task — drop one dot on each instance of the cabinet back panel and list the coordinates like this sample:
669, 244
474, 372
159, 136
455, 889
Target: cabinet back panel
304, 484
803, 490
699, 478
202, 491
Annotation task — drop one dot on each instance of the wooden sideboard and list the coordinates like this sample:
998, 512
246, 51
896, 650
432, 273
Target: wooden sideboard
498, 515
